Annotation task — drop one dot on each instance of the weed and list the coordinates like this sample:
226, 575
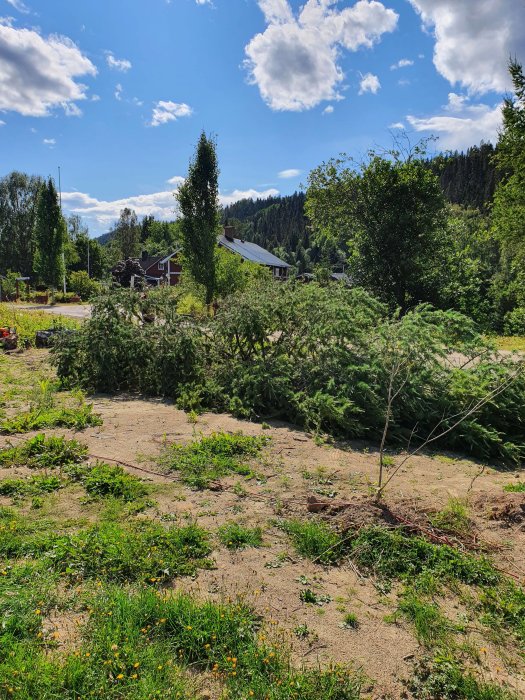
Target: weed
309, 596
454, 518
105, 480
29, 487
445, 680
302, 631
236, 536
78, 418
139, 552
350, 621
40, 452
518, 487
211, 458
314, 540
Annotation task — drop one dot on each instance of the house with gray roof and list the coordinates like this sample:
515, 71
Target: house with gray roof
253, 253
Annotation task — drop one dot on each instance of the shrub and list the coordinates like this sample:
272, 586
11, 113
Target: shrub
81, 283
515, 321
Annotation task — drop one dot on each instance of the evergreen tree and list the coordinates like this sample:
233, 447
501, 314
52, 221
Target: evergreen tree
198, 199
50, 237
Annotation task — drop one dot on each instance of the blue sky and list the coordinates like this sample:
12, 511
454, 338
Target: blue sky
117, 92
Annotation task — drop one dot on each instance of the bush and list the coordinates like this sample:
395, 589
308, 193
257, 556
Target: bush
81, 284
515, 322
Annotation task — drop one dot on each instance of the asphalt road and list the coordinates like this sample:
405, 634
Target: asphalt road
80, 311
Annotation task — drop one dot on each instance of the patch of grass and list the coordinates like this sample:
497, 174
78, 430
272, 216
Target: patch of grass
392, 554
517, 487
34, 486
511, 342
140, 551
350, 621
454, 517
503, 607
28, 322
237, 536
108, 480
211, 458
40, 452
432, 627
19, 536
314, 540
79, 418
446, 680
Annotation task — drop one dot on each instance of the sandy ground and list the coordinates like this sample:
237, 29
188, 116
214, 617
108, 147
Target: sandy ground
79, 311
293, 467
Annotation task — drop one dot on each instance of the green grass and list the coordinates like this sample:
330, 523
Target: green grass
516, 487
101, 480
454, 518
350, 621
446, 680
211, 458
78, 418
34, 486
314, 540
515, 343
28, 322
432, 627
140, 551
40, 452
237, 536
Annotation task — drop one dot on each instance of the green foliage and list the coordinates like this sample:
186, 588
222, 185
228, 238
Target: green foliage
445, 680
432, 627
211, 458
350, 621
237, 536
515, 321
50, 237
233, 274
79, 418
30, 487
199, 209
80, 283
28, 322
453, 518
390, 213
138, 552
40, 452
105, 480
518, 487
314, 540
126, 236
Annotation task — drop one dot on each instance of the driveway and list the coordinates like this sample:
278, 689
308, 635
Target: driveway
80, 311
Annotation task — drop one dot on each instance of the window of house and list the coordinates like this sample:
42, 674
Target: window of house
161, 266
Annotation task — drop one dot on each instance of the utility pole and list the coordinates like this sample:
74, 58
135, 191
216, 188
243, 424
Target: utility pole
63, 254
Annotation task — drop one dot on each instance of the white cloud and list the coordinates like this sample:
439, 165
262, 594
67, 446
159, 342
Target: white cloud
19, 6
291, 172
369, 83
118, 92
176, 180
328, 110
49, 142
119, 64
37, 74
295, 61
101, 214
2, 123
474, 39
165, 112
397, 125
461, 124
402, 63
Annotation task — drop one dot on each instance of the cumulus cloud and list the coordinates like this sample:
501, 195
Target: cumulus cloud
397, 125
474, 40
291, 172
49, 142
295, 61
38, 74
402, 63
101, 214
118, 92
329, 109
369, 83
19, 6
176, 180
120, 64
461, 124
166, 111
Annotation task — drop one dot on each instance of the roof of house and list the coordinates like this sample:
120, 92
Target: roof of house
252, 252
147, 263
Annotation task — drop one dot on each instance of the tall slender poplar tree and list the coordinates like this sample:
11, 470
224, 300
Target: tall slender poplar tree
50, 237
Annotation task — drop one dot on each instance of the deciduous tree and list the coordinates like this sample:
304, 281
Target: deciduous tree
50, 237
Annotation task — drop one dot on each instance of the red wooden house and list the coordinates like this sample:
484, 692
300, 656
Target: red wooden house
162, 269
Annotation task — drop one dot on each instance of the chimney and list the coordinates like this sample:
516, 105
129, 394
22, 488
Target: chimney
229, 233
144, 255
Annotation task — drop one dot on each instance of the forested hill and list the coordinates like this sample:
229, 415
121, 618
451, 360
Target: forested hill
278, 223
468, 179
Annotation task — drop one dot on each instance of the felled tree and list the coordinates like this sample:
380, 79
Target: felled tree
198, 199
50, 236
